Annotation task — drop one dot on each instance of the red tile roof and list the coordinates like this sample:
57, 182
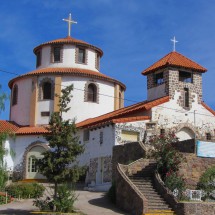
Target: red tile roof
208, 108
174, 59
31, 130
123, 114
11, 127
68, 40
6, 126
69, 71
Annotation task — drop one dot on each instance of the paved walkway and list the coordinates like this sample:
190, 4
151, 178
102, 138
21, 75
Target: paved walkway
90, 203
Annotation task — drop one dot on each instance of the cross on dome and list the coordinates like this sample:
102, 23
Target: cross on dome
70, 22
174, 42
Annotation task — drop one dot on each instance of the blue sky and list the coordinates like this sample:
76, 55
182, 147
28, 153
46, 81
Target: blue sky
132, 33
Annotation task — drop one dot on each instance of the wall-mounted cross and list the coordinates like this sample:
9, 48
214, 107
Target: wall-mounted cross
174, 42
70, 22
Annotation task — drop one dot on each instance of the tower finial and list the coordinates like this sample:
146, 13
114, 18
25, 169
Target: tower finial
70, 22
174, 42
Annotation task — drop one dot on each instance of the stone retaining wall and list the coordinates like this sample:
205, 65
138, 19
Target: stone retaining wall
125, 154
193, 167
128, 197
183, 208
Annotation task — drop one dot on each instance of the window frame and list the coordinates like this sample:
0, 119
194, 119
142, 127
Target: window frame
185, 77
53, 60
86, 135
92, 96
97, 60
159, 78
186, 98
208, 136
15, 95
38, 58
41, 89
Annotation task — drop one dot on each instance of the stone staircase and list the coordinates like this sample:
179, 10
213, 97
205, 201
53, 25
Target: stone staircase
143, 180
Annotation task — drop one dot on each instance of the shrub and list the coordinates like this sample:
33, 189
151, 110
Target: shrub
167, 157
65, 199
172, 181
3, 177
25, 190
112, 193
207, 183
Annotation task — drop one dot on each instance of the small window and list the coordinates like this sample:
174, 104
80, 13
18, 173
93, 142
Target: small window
45, 113
92, 93
81, 55
130, 136
56, 54
158, 78
97, 60
47, 90
38, 55
162, 131
186, 77
208, 136
101, 138
86, 136
186, 97
15, 95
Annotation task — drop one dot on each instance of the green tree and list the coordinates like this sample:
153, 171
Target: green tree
58, 163
3, 137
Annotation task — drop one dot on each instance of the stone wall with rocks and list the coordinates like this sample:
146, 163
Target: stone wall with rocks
128, 197
183, 208
125, 154
172, 84
193, 167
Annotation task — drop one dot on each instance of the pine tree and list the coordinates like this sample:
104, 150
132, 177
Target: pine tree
3, 137
58, 164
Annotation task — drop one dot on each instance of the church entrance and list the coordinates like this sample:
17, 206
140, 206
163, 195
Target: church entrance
33, 155
185, 134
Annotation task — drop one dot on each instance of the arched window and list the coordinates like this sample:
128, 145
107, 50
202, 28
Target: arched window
47, 90
92, 93
15, 95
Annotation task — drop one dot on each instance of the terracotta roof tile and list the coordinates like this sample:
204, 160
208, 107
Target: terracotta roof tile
31, 130
7, 126
174, 59
70, 71
11, 127
208, 108
68, 40
131, 119
122, 113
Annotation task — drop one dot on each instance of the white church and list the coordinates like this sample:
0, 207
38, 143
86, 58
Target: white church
174, 103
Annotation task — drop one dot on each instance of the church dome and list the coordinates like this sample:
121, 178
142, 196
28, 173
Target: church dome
68, 40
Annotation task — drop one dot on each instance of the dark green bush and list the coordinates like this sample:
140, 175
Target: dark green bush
207, 183
25, 190
173, 181
112, 193
65, 199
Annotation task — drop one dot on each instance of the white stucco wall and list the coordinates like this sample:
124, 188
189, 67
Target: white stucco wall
20, 113
68, 59
170, 115
93, 148
82, 110
16, 147
21, 143
136, 126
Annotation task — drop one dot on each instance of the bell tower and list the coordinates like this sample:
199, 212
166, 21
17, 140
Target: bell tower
175, 76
